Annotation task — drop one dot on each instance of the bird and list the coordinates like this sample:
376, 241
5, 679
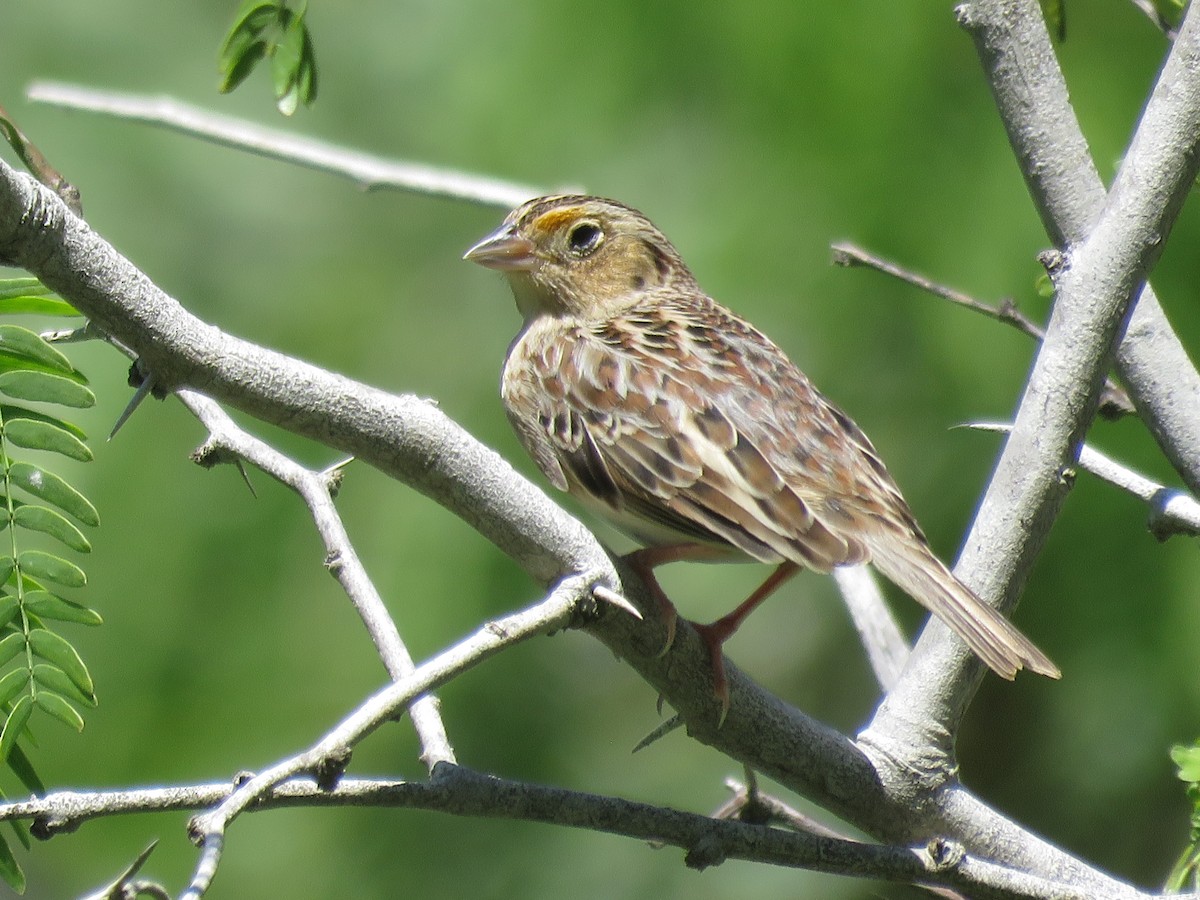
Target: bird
688, 429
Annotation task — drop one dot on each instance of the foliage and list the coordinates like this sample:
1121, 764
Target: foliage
1187, 869
40, 671
267, 30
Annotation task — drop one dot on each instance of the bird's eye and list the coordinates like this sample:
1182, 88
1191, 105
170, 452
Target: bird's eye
584, 238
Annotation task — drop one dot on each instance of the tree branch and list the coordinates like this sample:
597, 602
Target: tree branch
1035, 107
341, 559
887, 649
1114, 402
708, 841
1095, 285
326, 760
369, 172
1171, 511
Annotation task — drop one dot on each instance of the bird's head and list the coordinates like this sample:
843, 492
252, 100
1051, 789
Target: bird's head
584, 257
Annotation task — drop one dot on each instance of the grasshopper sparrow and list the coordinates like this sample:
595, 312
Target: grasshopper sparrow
686, 427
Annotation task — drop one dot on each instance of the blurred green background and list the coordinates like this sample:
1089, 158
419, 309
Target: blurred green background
754, 135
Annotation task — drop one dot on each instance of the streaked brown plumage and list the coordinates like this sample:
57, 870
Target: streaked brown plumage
691, 431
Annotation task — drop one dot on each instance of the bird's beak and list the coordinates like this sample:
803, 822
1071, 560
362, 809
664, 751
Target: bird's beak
504, 251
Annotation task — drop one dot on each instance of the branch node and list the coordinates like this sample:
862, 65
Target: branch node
1054, 261
1162, 521
334, 476
209, 454
945, 854
45, 827
329, 771
707, 851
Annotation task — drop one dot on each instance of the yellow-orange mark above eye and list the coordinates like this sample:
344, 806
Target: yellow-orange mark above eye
549, 221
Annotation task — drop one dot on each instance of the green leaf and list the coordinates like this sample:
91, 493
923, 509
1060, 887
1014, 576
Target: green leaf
12, 684
287, 52
27, 304
10, 870
254, 15
46, 605
52, 648
307, 79
9, 411
244, 46
40, 564
18, 718
10, 646
60, 709
23, 342
1044, 285
15, 362
20, 829
46, 388
294, 64
234, 74
53, 489
56, 679
9, 607
42, 436
47, 521
1187, 760
23, 769
15, 287
6, 568
51, 567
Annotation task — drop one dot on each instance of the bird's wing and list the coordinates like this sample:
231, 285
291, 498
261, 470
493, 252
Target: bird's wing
690, 420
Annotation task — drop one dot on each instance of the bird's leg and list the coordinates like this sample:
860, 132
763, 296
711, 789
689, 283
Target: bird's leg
715, 634
646, 560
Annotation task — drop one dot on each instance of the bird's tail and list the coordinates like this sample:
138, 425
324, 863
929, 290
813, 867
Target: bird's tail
994, 639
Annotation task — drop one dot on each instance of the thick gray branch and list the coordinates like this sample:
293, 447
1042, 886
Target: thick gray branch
1096, 283
708, 841
1067, 190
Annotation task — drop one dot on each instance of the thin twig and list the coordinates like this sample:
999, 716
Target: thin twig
229, 442
36, 162
887, 648
708, 841
1114, 402
328, 756
369, 171
1172, 511
851, 255
341, 558
768, 808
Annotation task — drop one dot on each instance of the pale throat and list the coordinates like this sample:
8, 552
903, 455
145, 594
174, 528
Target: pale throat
532, 299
